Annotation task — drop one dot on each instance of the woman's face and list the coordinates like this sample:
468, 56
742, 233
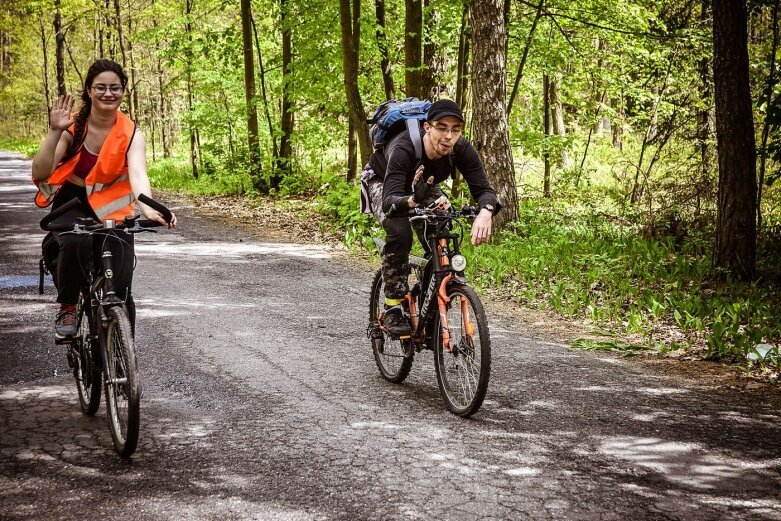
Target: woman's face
106, 91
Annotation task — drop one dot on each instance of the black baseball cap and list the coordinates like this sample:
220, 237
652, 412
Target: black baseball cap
444, 107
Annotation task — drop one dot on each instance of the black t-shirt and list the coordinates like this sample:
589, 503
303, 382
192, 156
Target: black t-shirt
400, 153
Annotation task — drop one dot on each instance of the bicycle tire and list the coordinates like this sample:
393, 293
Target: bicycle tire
87, 368
121, 381
389, 354
463, 373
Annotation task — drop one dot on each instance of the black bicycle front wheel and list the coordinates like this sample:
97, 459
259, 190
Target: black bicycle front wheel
122, 383
393, 356
87, 367
464, 366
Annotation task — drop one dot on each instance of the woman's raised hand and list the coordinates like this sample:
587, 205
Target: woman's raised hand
60, 114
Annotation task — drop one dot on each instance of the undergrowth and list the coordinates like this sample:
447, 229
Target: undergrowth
582, 263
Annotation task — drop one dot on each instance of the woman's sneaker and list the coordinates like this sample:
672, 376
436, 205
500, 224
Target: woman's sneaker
395, 322
65, 323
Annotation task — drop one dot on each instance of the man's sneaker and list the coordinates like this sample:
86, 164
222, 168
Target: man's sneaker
65, 323
395, 323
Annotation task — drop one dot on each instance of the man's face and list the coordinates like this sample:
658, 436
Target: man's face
444, 133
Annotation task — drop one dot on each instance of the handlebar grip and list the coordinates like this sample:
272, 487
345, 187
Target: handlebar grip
165, 212
62, 210
148, 223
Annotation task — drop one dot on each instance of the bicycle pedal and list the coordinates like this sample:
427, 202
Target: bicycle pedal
405, 337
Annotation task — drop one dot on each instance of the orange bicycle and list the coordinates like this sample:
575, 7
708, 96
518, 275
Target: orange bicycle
445, 314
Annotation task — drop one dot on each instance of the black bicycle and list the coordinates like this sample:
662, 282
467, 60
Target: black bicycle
103, 347
445, 314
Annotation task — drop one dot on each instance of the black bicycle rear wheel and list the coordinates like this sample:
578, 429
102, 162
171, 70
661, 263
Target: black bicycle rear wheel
393, 357
464, 369
122, 383
87, 367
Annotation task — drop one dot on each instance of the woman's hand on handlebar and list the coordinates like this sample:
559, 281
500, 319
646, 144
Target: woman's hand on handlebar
154, 215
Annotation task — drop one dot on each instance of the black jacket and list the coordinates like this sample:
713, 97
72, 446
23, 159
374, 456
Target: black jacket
400, 170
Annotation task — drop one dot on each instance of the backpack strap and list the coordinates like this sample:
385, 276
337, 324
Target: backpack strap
413, 125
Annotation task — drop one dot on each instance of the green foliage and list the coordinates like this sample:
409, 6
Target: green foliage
583, 265
176, 175
340, 201
24, 146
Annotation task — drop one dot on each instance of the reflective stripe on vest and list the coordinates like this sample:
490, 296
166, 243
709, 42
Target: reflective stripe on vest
115, 206
48, 191
97, 187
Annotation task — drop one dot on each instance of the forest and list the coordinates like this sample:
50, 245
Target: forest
636, 145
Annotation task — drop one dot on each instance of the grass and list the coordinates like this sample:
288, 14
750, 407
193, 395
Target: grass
27, 147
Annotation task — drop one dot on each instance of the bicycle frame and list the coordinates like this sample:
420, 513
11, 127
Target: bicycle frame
436, 284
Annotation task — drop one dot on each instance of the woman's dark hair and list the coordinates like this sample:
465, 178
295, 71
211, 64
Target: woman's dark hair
81, 118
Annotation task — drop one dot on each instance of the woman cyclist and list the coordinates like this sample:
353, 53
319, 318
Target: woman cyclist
97, 155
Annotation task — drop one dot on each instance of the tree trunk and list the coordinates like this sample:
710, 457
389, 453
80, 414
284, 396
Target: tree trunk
413, 46
349, 17
546, 132
618, 123
382, 44
194, 145
462, 74
433, 70
46, 92
770, 87
462, 83
557, 118
120, 33
286, 115
735, 247
276, 175
133, 82
249, 96
521, 65
704, 119
161, 105
59, 55
491, 135
352, 153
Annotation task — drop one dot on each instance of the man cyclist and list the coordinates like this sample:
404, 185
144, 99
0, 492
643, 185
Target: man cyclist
410, 183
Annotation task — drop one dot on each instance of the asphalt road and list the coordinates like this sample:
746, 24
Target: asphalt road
262, 401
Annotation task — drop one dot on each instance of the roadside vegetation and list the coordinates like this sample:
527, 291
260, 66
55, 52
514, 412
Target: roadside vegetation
644, 281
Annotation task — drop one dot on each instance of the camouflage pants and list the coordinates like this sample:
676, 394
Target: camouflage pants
398, 230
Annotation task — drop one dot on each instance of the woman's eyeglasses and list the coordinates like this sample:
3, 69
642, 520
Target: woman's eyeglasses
116, 90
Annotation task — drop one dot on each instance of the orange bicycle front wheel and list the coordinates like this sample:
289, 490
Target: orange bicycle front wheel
463, 364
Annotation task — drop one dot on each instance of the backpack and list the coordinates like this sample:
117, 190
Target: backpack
392, 117
389, 121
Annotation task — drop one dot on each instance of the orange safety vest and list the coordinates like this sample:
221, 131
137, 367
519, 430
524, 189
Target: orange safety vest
108, 186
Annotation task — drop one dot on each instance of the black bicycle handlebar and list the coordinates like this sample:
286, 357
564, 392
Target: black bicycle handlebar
165, 212
62, 210
466, 211
46, 222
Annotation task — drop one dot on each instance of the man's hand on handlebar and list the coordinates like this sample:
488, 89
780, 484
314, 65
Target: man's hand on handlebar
481, 227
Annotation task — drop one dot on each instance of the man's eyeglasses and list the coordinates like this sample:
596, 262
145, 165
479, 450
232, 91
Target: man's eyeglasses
444, 129
116, 90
